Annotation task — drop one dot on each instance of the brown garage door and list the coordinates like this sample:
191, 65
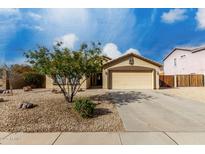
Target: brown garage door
131, 80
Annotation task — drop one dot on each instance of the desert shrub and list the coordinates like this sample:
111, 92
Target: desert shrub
84, 107
33, 79
1, 100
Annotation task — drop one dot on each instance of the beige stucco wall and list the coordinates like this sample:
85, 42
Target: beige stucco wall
2, 83
50, 85
125, 62
3, 80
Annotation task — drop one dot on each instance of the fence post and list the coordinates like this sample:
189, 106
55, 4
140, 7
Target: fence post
203, 80
175, 81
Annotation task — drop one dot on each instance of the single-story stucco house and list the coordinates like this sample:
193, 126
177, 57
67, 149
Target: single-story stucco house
185, 61
129, 71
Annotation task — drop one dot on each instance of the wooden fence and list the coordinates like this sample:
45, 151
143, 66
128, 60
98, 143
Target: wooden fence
166, 81
191, 80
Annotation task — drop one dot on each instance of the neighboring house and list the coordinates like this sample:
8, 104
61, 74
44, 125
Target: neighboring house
129, 71
185, 61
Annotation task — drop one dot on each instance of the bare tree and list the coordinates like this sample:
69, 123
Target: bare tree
11, 76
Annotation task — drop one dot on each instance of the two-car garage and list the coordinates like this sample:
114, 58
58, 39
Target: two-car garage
131, 72
131, 80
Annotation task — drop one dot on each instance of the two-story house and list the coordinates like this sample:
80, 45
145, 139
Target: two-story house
185, 61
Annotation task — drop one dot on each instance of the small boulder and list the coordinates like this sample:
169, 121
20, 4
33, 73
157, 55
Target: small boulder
26, 105
27, 88
1, 100
55, 91
6, 92
1, 90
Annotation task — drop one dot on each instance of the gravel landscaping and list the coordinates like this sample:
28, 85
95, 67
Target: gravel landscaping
52, 114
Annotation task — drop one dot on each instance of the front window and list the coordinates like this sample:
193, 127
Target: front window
61, 81
175, 62
183, 56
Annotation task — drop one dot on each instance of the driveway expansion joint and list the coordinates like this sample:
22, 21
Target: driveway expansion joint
56, 138
7, 135
120, 138
171, 138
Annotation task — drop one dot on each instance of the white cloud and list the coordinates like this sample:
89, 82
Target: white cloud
34, 16
20, 60
131, 50
39, 28
9, 12
32, 27
200, 18
90, 24
68, 40
8, 18
174, 15
111, 50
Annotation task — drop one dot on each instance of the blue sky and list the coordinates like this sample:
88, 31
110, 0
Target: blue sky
149, 32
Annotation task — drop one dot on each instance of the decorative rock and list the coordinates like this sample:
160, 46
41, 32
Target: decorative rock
1, 90
6, 92
55, 91
20, 106
27, 88
1, 100
26, 105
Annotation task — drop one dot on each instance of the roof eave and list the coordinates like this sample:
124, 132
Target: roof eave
174, 50
129, 54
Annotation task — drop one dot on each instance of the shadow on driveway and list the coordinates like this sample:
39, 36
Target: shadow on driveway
101, 111
123, 97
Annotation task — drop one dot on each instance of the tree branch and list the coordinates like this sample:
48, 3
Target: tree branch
59, 85
80, 86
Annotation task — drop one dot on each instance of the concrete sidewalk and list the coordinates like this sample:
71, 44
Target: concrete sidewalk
104, 138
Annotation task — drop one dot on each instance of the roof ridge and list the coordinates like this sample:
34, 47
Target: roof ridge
193, 50
183, 48
198, 48
139, 56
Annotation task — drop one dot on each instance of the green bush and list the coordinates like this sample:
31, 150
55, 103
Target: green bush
33, 79
84, 107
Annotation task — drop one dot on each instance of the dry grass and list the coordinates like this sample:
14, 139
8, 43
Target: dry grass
52, 114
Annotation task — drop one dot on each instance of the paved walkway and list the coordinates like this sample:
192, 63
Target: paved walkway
104, 138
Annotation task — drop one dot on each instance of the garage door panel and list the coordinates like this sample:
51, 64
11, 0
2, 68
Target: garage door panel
131, 80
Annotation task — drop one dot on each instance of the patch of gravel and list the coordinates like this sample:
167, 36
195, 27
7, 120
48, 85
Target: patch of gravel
53, 114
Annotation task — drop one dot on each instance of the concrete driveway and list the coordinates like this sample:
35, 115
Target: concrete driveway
148, 110
192, 93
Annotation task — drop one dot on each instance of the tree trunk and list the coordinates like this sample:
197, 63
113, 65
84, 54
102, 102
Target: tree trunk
67, 99
71, 98
11, 88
